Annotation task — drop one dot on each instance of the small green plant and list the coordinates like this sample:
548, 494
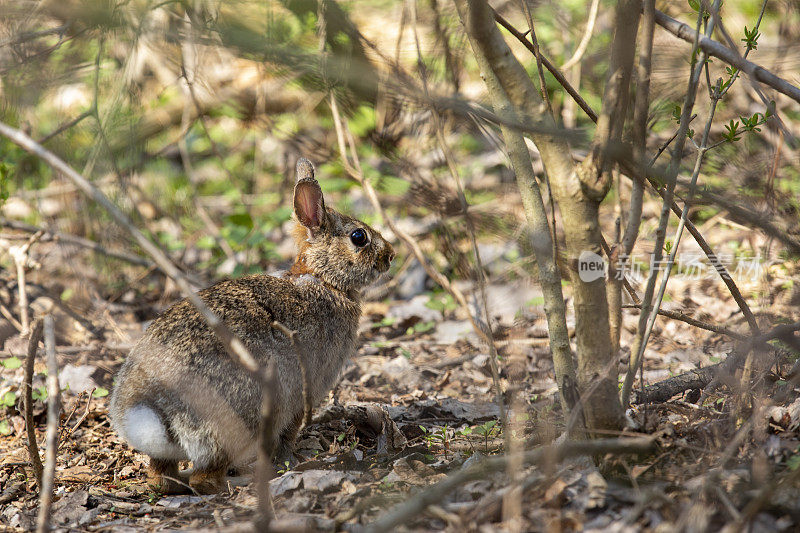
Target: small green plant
8, 399
5, 172
794, 461
751, 38
386, 321
39, 393
735, 128
283, 468
441, 302
12, 363
439, 436
421, 327
487, 430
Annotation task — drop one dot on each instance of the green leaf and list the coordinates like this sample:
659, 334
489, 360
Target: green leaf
5, 427
39, 393
206, 242
67, 294
5, 174
676, 113
8, 399
363, 121
12, 363
242, 219
388, 321
100, 392
422, 327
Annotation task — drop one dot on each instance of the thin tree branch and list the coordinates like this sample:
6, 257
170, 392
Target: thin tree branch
702, 377
717, 49
78, 241
587, 36
549, 66
30, 428
232, 345
682, 317
53, 410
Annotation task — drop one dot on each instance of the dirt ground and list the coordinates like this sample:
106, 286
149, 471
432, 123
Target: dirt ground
423, 371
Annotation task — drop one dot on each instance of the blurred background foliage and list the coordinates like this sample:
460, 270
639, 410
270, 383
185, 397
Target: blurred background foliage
190, 115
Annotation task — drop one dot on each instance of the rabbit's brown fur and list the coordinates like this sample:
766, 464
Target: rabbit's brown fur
179, 396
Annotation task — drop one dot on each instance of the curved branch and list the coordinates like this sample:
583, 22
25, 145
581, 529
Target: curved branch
586, 37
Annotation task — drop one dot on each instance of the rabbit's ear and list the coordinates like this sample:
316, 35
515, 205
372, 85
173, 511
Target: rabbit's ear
309, 205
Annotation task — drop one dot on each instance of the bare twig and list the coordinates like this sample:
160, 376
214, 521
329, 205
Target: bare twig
716, 49
549, 66
53, 410
73, 239
65, 126
291, 334
20, 256
693, 322
30, 429
266, 441
537, 53
10, 317
587, 36
703, 377
80, 420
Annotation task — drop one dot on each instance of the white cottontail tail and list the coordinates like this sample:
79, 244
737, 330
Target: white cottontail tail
179, 396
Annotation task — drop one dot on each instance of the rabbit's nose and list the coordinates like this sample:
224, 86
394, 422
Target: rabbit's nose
385, 258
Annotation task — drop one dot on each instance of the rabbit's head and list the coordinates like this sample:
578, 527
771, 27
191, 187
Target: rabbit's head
340, 250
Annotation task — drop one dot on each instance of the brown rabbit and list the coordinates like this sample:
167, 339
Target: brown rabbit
179, 396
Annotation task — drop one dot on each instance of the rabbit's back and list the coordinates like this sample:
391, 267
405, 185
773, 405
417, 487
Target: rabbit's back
179, 373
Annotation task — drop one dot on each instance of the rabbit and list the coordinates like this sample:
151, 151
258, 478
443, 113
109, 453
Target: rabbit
179, 396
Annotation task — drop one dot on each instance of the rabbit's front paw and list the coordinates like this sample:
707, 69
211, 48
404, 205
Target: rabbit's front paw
162, 476
207, 481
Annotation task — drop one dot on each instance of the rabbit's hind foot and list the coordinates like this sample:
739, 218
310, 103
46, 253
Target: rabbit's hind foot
162, 475
208, 481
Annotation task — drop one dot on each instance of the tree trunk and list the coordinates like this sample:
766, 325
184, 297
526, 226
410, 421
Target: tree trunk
597, 365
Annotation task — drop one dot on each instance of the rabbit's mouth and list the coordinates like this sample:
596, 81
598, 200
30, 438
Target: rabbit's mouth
378, 276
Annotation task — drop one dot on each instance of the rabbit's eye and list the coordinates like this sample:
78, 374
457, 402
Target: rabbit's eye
359, 237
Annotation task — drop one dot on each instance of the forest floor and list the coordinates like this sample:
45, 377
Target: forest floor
421, 366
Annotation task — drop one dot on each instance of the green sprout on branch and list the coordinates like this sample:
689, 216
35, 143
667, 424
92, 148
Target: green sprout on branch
751, 38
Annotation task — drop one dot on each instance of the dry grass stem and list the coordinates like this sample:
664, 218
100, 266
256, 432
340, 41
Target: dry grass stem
30, 428
53, 415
